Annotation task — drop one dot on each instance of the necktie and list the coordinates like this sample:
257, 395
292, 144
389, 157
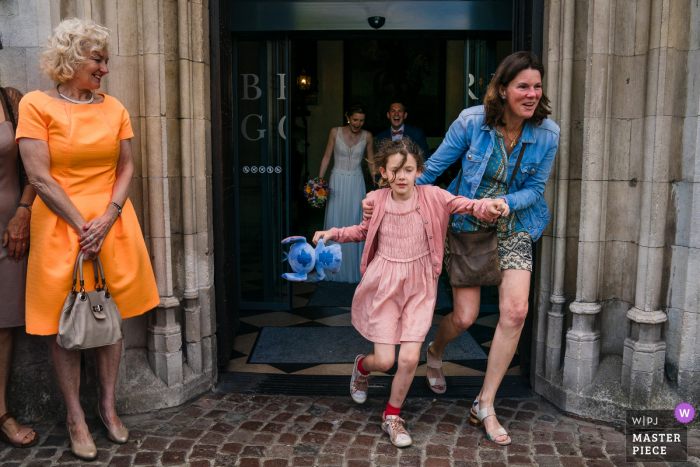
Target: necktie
394, 133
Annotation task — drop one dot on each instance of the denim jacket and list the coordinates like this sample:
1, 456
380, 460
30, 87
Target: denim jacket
468, 138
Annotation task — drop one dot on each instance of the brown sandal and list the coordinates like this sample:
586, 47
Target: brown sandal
433, 383
16, 441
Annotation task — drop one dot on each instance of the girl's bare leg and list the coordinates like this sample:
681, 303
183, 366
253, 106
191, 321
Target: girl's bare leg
409, 353
382, 359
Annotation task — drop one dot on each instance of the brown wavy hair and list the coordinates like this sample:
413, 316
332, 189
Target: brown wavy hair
507, 71
388, 148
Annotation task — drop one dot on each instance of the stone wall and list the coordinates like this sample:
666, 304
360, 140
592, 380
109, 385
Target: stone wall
159, 70
617, 291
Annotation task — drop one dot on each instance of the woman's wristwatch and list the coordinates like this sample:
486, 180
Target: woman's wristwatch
119, 208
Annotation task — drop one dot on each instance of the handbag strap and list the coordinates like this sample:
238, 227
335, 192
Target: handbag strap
517, 166
78, 272
512, 178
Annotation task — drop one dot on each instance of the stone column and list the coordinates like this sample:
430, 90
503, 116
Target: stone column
192, 319
583, 339
164, 336
555, 317
644, 349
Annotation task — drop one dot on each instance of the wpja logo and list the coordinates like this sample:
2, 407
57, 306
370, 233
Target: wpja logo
658, 435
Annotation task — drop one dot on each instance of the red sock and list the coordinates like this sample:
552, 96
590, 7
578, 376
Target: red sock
391, 410
360, 368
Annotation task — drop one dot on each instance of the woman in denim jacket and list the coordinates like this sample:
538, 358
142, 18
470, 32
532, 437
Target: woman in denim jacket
488, 140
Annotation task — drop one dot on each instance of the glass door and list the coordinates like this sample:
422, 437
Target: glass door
261, 154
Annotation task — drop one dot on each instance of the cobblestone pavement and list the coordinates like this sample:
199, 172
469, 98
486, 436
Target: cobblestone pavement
277, 431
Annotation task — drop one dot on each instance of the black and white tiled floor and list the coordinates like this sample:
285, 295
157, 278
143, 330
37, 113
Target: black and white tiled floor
251, 321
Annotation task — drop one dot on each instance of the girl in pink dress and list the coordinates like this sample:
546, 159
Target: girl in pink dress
401, 263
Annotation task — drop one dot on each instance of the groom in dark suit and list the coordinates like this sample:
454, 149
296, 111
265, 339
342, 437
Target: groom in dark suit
397, 115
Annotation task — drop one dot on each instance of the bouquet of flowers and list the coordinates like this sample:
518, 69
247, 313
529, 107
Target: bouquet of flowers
316, 192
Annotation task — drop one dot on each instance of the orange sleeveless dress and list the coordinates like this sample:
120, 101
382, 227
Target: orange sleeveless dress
84, 146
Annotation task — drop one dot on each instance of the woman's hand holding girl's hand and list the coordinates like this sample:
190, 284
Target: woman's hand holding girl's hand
95, 231
326, 235
489, 209
500, 207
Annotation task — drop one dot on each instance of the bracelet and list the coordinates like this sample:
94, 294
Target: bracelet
119, 208
26, 206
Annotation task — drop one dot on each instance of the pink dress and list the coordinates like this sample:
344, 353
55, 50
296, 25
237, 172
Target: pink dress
395, 300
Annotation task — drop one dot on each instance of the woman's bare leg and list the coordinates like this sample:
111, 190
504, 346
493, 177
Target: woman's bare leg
108, 358
466, 308
67, 365
10, 427
409, 354
512, 302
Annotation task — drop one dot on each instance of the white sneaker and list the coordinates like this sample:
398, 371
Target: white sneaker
393, 426
358, 383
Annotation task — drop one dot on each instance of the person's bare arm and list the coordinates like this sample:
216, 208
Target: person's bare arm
37, 163
329, 152
99, 227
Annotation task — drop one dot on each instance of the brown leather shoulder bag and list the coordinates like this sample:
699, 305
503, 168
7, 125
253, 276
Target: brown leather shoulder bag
471, 258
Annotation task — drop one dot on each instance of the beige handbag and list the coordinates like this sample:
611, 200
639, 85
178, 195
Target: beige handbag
89, 319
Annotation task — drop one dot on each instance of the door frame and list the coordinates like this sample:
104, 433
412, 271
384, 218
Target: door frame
527, 34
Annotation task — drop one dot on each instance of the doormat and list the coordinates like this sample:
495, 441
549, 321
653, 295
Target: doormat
340, 294
340, 344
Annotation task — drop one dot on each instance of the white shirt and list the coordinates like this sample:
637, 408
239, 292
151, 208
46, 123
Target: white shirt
395, 137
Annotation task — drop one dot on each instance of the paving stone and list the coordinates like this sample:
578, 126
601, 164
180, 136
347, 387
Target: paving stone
205, 451
437, 463
410, 461
459, 454
564, 436
350, 426
276, 463
118, 461
302, 461
173, 458
364, 440
253, 451
592, 452
519, 460
146, 458
572, 461
358, 463
288, 438
547, 461
566, 449
544, 449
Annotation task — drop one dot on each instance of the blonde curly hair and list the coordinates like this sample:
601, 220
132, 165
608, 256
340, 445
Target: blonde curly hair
69, 45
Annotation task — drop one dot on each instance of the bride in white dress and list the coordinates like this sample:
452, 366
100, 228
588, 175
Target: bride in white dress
347, 145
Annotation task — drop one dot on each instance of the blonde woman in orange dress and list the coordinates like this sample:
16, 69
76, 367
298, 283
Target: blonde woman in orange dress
76, 148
